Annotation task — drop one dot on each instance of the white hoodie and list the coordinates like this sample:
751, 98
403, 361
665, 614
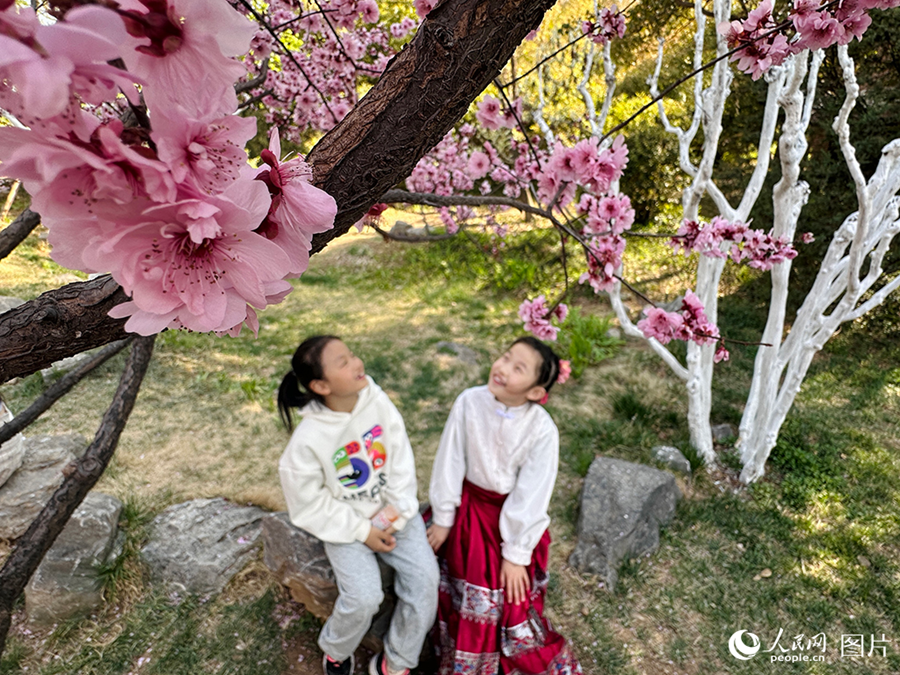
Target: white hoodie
339, 469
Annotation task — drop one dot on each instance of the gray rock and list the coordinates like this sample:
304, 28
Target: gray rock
198, 546
13, 451
67, 583
722, 432
8, 302
622, 507
672, 458
23, 496
614, 333
465, 354
298, 561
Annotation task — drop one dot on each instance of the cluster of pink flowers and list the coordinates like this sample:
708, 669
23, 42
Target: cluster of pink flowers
610, 24
813, 24
491, 115
721, 239
688, 324
193, 233
332, 46
536, 316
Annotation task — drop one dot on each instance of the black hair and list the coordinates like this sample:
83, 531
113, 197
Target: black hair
306, 366
549, 369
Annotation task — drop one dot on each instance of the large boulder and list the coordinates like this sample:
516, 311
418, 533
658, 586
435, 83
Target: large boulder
298, 561
67, 583
13, 451
623, 506
198, 546
24, 494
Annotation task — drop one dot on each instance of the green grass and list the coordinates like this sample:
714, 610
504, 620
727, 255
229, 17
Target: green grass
825, 520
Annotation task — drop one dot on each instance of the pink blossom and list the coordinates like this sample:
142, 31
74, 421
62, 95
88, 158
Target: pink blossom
603, 259
369, 11
721, 353
660, 324
478, 165
513, 115
807, 238
424, 7
194, 263
42, 68
562, 163
534, 315
298, 209
183, 49
208, 152
448, 220
488, 114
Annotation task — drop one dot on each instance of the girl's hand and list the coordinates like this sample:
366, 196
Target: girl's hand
515, 582
437, 535
380, 541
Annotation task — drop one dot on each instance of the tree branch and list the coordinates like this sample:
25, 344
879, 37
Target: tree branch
17, 231
80, 476
460, 47
57, 390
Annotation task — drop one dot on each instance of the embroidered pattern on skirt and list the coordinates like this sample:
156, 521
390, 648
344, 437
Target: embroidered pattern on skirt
464, 663
518, 639
563, 663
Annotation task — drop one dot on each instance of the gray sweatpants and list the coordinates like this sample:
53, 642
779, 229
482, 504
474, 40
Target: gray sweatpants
359, 596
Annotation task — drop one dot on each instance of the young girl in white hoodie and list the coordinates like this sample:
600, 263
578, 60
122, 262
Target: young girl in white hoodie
349, 478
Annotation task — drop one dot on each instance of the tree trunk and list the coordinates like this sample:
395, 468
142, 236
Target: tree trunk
459, 49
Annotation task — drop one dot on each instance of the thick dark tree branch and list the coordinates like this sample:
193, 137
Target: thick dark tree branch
80, 476
57, 390
459, 49
17, 231
57, 324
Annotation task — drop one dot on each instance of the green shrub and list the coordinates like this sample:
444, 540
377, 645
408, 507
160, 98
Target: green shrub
585, 340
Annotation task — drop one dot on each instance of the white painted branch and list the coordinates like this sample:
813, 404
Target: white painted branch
539, 112
589, 106
615, 298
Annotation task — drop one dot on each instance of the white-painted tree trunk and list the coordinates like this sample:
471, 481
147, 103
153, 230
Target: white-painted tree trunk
840, 293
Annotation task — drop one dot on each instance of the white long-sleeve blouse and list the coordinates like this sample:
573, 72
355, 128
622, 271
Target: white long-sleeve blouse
511, 451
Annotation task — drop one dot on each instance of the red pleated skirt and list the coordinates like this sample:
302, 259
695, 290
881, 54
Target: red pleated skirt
479, 633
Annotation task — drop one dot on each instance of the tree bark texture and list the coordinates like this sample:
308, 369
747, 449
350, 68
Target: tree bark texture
80, 476
459, 49
15, 233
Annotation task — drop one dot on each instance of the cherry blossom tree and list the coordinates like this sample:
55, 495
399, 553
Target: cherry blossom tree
121, 127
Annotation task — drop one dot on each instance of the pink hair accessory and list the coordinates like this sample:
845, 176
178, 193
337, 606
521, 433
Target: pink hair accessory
543, 401
565, 369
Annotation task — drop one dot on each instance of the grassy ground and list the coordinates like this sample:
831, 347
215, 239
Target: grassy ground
811, 549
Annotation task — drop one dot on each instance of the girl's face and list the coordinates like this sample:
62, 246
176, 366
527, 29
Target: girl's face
343, 373
514, 376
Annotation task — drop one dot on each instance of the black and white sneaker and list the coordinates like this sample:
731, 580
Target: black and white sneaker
337, 667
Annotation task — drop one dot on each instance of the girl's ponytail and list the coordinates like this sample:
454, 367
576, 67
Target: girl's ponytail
306, 366
290, 396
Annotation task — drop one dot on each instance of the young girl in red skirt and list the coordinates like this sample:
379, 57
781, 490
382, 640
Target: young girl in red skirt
490, 489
